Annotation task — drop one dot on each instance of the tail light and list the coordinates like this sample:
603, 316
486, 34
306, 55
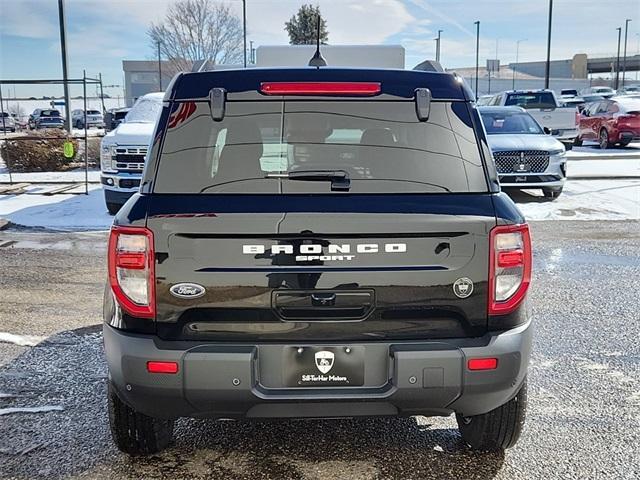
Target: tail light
131, 270
509, 267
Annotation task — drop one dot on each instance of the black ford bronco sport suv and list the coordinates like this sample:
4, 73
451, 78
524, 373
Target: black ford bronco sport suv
318, 242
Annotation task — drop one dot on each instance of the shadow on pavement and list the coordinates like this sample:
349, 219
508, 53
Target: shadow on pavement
68, 370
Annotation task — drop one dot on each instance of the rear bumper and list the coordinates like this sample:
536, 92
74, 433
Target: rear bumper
238, 381
629, 136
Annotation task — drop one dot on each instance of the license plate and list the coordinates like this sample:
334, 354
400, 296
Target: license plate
323, 366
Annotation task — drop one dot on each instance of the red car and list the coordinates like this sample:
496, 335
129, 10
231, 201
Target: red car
610, 122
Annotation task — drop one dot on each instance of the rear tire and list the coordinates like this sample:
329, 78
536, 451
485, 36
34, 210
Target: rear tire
551, 193
568, 145
624, 143
603, 139
135, 433
497, 430
577, 142
113, 208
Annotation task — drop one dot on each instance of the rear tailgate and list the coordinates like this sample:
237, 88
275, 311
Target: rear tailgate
563, 118
382, 273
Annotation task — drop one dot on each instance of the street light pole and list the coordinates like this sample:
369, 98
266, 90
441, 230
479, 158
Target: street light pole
477, 24
624, 58
618, 59
65, 71
244, 30
159, 68
547, 67
513, 83
438, 46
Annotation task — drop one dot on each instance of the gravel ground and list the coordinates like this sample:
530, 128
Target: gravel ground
584, 403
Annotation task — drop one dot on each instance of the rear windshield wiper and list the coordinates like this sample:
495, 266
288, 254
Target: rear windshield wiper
339, 178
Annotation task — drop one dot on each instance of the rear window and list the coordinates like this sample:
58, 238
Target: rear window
496, 123
145, 110
381, 146
93, 112
50, 113
531, 100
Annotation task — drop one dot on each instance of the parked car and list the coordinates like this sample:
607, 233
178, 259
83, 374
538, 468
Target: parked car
115, 117
630, 90
318, 243
610, 122
94, 119
123, 151
524, 154
546, 109
7, 122
45, 118
483, 100
605, 92
568, 93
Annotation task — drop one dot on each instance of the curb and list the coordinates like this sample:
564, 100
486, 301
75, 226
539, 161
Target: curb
630, 156
604, 177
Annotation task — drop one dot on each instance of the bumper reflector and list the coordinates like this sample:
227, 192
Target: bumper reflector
162, 367
482, 364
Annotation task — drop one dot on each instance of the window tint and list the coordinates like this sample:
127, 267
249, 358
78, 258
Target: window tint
381, 145
531, 100
49, 113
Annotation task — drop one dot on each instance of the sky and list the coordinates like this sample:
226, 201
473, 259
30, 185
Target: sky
102, 33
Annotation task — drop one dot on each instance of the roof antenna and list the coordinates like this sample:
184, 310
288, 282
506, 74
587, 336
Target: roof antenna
318, 60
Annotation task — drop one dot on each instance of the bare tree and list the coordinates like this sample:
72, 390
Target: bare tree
198, 30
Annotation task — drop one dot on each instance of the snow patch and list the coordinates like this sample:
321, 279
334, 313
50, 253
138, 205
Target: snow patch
43, 409
22, 340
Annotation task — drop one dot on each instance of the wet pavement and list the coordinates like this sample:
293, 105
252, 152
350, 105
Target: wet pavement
584, 399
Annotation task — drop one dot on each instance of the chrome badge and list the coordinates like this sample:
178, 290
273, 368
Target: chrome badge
187, 290
463, 287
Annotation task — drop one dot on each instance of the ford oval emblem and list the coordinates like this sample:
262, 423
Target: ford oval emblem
187, 290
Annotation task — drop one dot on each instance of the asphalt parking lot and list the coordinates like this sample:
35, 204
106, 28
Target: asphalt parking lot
584, 408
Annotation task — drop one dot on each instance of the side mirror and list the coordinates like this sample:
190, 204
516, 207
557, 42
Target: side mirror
546, 130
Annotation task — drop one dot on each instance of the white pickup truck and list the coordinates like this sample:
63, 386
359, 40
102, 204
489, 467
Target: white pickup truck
543, 105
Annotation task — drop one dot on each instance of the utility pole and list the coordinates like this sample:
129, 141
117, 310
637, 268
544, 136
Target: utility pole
244, 30
624, 58
477, 24
618, 59
513, 82
252, 58
438, 46
65, 71
104, 110
547, 67
159, 69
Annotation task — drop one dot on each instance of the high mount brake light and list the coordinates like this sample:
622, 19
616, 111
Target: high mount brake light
131, 270
509, 267
320, 88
